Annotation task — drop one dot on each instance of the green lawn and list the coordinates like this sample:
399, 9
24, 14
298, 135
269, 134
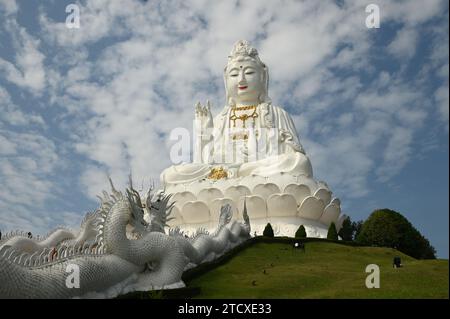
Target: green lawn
325, 270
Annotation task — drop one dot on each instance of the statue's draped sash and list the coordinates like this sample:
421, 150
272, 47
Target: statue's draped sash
276, 135
276, 149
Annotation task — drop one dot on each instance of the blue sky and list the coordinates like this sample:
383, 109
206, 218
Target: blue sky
370, 105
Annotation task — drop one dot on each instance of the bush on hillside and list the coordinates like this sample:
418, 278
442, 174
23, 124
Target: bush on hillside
332, 233
388, 228
268, 231
301, 232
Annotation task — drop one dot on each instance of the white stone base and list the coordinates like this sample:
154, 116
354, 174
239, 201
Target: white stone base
282, 226
284, 200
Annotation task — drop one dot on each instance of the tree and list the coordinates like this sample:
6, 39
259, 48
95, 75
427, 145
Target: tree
301, 232
268, 231
388, 228
357, 228
347, 230
332, 233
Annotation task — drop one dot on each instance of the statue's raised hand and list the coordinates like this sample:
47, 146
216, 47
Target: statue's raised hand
203, 116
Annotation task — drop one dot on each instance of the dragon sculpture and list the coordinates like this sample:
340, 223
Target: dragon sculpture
119, 248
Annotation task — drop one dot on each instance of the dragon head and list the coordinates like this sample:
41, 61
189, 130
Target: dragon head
159, 209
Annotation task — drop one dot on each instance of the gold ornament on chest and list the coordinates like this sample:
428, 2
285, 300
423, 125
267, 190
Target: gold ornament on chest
243, 117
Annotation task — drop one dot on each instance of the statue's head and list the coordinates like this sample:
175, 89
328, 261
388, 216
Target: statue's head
246, 76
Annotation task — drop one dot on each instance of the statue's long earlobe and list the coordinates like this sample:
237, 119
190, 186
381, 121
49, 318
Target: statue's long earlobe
227, 99
266, 84
261, 98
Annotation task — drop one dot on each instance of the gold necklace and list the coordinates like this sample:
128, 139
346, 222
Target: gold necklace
242, 108
243, 117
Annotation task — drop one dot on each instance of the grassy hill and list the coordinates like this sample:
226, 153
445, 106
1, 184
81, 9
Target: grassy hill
324, 270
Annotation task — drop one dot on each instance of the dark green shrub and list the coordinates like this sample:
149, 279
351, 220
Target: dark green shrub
332, 233
268, 231
301, 232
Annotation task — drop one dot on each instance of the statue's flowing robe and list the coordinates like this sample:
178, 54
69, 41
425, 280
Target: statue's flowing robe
277, 134
276, 149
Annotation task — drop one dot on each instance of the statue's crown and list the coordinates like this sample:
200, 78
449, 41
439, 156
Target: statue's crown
243, 48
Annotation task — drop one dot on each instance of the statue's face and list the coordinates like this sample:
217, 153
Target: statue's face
245, 81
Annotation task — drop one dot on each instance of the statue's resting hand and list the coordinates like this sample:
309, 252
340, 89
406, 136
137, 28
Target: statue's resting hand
203, 118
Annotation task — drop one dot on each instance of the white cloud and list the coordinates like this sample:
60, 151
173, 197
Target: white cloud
410, 12
442, 100
98, 19
9, 7
25, 169
11, 114
27, 69
404, 44
28, 164
6, 147
93, 181
396, 154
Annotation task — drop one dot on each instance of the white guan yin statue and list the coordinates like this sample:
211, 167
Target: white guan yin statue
249, 152
249, 169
